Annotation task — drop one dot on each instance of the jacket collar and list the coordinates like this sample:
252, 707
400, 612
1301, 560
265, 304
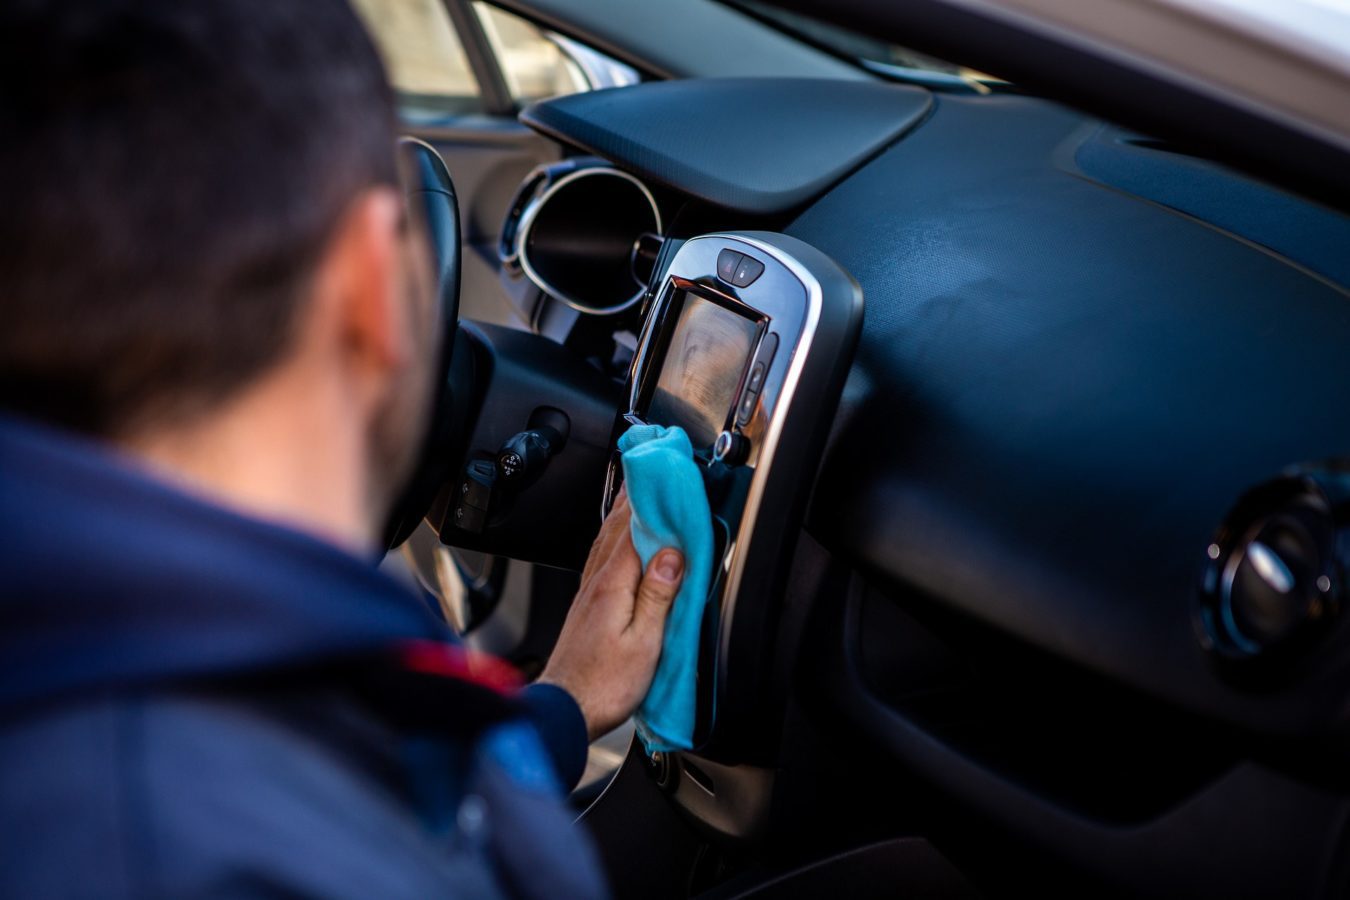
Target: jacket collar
111, 578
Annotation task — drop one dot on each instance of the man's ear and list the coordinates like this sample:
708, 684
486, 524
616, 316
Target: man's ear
359, 297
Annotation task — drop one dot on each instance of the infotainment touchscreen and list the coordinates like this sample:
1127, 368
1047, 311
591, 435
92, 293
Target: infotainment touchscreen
746, 343
708, 350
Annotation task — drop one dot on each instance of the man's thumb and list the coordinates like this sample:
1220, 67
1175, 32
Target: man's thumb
659, 586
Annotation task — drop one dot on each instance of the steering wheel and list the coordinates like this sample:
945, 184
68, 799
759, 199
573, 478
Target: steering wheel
515, 374
433, 211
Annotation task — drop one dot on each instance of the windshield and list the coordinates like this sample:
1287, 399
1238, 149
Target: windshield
874, 54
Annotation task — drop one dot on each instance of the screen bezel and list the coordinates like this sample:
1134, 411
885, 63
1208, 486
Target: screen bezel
671, 303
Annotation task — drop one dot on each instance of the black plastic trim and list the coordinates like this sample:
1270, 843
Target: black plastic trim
1210, 844
554, 520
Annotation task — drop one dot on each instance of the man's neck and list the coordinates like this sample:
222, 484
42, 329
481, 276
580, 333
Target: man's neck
257, 455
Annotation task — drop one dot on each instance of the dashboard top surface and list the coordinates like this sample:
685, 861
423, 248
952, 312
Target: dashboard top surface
754, 145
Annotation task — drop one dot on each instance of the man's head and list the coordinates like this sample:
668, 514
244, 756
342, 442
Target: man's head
198, 197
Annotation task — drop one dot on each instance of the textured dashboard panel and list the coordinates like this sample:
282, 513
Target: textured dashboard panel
1059, 392
1314, 237
757, 146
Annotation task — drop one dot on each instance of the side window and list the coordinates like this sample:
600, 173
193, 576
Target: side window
424, 57
532, 62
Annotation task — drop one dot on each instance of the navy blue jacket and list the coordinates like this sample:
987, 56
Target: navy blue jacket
196, 703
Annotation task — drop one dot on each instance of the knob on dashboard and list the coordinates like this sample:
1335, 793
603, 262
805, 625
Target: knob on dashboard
731, 448
1273, 575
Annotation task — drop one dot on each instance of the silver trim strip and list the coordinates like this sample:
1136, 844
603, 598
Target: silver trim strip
527, 222
755, 496
659, 302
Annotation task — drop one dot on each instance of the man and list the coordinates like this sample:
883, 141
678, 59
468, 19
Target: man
214, 365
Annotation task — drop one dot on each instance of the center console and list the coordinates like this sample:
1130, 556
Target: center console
746, 344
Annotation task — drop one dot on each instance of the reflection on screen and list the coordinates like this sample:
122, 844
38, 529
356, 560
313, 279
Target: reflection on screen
697, 386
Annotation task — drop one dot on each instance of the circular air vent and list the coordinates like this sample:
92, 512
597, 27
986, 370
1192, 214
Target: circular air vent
575, 228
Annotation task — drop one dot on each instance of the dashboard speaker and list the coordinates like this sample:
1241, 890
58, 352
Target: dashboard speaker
1274, 574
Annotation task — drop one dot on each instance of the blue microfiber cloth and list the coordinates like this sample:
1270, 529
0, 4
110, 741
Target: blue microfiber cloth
670, 509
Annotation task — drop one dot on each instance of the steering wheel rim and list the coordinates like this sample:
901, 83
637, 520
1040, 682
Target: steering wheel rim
434, 211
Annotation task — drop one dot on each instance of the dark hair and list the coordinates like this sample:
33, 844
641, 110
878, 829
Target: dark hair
169, 172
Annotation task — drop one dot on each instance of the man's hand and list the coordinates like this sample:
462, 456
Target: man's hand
610, 644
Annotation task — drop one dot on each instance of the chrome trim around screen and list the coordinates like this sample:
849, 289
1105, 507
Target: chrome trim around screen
774, 434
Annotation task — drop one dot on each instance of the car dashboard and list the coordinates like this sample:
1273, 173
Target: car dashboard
981, 389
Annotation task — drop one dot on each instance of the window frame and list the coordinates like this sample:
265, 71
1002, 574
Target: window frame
492, 87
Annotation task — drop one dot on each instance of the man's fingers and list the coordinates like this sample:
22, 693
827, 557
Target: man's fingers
623, 567
615, 528
657, 591
614, 582
617, 524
